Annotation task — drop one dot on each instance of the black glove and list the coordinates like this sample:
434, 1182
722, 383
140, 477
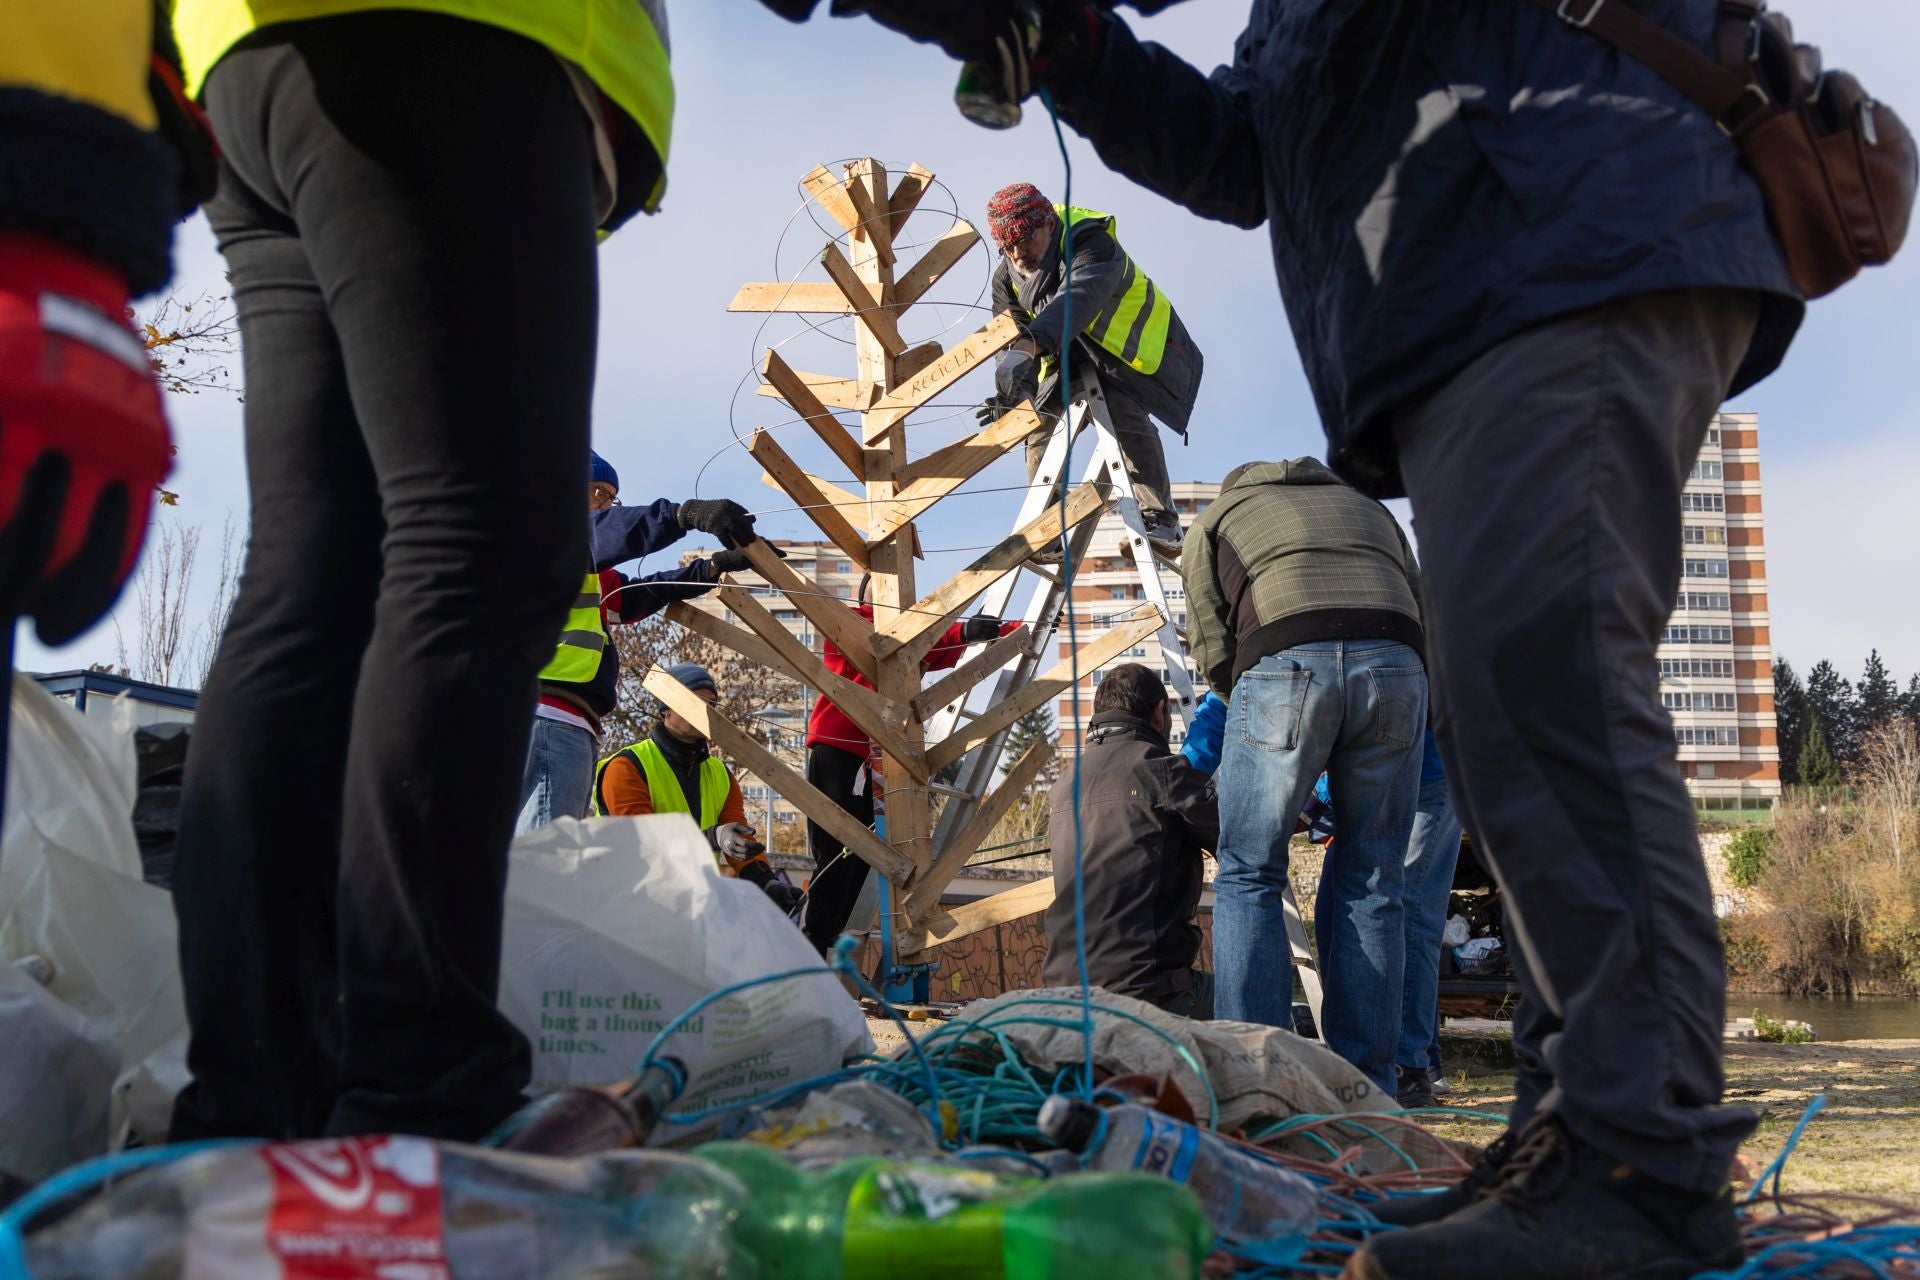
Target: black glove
981, 626
730, 560
724, 518
784, 895
1017, 378
997, 35
792, 10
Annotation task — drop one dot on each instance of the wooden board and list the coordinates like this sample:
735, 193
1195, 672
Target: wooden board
969, 673
835, 620
831, 193
770, 769
913, 184
939, 259
876, 221
720, 631
925, 895
914, 359
941, 472
962, 358
804, 400
829, 389
817, 506
1137, 626
850, 505
875, 315
808, 297
957, 922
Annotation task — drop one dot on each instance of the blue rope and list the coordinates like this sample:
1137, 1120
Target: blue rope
1773, 1170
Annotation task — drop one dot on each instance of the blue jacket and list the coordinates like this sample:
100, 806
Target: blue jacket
1437, 175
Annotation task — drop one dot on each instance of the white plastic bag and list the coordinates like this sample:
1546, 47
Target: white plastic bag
1456, 932
614, 926
54, 1080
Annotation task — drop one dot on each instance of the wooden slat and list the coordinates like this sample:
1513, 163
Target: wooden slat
836, 621
868, 310
913, 184
1137, 626
817, 506
851, 506
773, 771
1007, 555
810, 297
804, 400
914, 359
941, 472
874, 223
969, 673
926, 892
956, 923
862, 705
829, 389
720, 631
939, 259
954, 364
831, 193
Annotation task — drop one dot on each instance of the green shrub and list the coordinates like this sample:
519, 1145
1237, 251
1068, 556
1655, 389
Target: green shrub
1774, 1031
1747, 856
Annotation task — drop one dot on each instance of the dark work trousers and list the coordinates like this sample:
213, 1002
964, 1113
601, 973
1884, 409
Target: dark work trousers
406, 210
1139, 439
837, 880
1546, 480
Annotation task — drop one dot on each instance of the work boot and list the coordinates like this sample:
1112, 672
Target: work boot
1163, 531
1431, 1206
1564, 1210
1412, 1089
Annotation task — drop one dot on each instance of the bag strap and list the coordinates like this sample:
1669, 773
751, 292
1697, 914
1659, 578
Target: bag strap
1734, 102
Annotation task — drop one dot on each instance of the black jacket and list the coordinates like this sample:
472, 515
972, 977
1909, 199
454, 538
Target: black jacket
1145, 815
1436, 176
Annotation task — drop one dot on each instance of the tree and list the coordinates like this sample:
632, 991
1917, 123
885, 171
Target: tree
1817, 765
1890, 770
1790, 719
189, 343
1830, 702
1035, 726
169, 646
1912, 699
759, 699
1878, 696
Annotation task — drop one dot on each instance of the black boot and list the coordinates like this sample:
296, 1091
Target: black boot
1415, 1211
1413, 1089
1563, 1210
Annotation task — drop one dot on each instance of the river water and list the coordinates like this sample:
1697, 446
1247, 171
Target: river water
1862, 1018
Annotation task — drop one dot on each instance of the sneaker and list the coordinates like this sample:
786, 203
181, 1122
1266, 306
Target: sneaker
1438, 1082
1163, 531
1412, 1089
1562, 1209
1418, 1210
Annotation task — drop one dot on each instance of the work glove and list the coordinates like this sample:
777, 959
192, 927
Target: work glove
979, 628
784, 895
734, 839
724, 518
730, 560
83, 437
1017, 378
999, 36
1206, 730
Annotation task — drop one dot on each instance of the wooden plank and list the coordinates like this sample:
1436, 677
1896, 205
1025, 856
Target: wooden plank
1139, 624
969, 673
831, 194
1006, 556
804, 400
866, 708
925, 896
954, 364
850, 505
956, 923
939, 259
836, 621
720, 631
913, 184
941, 472
914, 359
773, 771
875, 219
868, 310
829, 389
809, 297
817, 506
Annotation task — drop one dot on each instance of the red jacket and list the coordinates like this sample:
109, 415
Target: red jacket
828, 725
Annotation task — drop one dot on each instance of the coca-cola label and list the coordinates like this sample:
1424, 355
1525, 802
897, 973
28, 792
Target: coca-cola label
356, 1209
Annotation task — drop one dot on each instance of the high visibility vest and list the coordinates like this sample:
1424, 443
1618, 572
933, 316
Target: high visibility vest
577, 658
1133, 326
664, 786
620, 44
95, 53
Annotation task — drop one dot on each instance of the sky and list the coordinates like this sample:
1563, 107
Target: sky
762, 101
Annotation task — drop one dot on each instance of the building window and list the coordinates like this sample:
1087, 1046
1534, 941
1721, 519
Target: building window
1696, 668
1704, 600
1176, 593
1116, 593
1706, 568
1706, 736
1709, 535
1713, 435
1698, 701
1704, 470
1703, 502
842, 566
1697, 635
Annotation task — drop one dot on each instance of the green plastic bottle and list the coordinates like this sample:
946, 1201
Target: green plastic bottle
876, 1219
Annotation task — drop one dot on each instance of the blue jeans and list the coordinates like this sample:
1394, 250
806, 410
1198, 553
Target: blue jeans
1356, 709
559, 779
1426, 881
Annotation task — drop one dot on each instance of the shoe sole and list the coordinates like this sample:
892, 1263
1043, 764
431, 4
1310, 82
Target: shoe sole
1362, 1267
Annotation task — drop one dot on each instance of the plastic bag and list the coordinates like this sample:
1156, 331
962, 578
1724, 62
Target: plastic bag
1456, 933
615, 926
55, 1077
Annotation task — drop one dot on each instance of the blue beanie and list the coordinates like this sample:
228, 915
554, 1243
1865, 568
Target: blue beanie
694, 676
602, 472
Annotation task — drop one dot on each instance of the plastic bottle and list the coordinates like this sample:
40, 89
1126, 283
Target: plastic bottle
403, 1207
37, 967
581, 1121
879, 1219
1247, 1199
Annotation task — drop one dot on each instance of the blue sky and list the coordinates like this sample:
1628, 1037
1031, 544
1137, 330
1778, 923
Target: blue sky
761, 102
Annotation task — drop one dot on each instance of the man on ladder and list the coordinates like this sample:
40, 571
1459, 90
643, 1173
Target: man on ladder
1132, 337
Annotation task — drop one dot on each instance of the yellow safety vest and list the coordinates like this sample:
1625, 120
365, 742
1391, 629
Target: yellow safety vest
94, 53
620, 44
577, 659
664, 786
1133, 326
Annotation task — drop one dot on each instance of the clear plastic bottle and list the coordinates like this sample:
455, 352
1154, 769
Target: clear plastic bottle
1247, 1199
403, 1207
583, 1121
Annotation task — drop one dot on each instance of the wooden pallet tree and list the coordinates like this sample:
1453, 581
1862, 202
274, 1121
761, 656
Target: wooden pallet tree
874, 527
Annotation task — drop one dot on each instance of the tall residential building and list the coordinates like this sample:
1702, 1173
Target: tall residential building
1716, 659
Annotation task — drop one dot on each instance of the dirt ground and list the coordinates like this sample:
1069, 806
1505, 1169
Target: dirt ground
1866, 1139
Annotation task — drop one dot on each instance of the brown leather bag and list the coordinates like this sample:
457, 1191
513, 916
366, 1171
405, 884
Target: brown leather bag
1837, 168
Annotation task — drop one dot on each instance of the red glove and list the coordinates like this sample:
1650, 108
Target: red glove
83, 437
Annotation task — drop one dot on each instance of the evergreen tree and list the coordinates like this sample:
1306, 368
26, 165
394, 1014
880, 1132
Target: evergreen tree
1830, 701
1912, 699
1790, 717
1879, 696
1036, 724
1818, 768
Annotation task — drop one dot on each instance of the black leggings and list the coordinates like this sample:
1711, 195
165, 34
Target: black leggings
406, 211
837, 880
